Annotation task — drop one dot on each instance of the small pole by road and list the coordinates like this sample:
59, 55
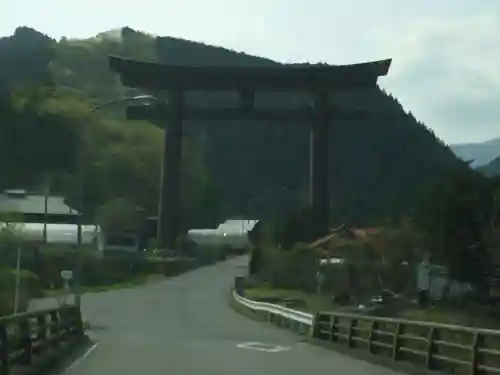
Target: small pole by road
78, 255
320, 278
46, 192
18, 279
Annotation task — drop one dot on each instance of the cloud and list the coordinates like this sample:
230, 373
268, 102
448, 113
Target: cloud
450, 72
446, 53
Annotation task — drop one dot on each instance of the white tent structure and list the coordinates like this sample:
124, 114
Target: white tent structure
232, 233
62, 234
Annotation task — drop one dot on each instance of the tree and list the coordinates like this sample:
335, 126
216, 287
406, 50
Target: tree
118, 214
263, 155
101, 158
294, 227
10, 239
455, 218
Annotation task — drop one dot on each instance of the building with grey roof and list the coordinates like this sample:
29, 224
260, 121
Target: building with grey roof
31, 207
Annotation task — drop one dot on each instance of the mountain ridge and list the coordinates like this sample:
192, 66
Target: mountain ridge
491, 169
480, 153
378, 168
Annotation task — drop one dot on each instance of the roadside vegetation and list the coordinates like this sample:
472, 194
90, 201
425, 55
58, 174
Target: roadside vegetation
374, 270
41, 266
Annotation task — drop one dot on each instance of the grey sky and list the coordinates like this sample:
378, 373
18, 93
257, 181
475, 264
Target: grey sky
446, 66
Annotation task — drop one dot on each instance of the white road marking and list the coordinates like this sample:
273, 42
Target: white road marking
78, 360
262, 347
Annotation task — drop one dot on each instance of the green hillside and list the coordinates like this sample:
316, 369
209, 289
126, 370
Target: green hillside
379, 168
492, 169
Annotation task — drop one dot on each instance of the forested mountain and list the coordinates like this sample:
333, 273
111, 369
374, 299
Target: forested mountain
492, 169
49, 133
379, 168
480, 153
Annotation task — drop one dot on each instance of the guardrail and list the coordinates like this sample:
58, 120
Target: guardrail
280, 315
444, 347
27, 339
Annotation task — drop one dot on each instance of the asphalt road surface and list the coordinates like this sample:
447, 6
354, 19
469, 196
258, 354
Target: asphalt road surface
183, 326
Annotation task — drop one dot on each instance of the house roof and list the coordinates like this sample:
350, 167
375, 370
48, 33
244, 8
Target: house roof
22, 202
342, 236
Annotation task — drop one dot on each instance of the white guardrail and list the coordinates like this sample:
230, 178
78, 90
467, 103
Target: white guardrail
290, 314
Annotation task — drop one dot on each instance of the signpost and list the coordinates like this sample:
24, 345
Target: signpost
66, 275
320, 278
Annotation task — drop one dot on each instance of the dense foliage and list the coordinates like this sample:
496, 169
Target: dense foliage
459, 220
378, 168
49, 134
491, 169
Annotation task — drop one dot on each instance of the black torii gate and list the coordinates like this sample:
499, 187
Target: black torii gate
318, 79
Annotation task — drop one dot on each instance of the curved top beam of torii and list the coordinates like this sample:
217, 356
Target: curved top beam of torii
282, 77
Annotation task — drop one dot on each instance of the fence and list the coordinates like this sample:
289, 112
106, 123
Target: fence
27, 339
298, 321
448, 348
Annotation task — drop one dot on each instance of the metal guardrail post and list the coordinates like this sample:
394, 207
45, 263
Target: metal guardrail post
25, 329
42, 332
371, 335
79, 320
350, 332
314, 332
395, 348
334, 328
239, 285
474, 370
4, 351
430, 348
54, 326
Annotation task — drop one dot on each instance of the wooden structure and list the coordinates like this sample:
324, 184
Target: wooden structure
31, 341
319, 80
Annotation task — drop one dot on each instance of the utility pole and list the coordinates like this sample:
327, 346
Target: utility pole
46, 192
496, 196
78, 260
18, 277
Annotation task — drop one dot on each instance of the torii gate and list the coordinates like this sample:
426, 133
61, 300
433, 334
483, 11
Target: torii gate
318, 79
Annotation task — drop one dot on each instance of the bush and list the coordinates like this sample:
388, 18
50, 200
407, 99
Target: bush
289, 269
210, 254
29, 287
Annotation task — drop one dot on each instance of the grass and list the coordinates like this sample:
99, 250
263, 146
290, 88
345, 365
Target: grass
308, 302
454, 316
138, 281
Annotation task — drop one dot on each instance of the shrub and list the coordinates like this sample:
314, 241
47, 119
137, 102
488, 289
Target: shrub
294, 269
29, 287
210, 254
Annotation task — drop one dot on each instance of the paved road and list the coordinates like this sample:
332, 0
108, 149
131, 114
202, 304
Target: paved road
183, 326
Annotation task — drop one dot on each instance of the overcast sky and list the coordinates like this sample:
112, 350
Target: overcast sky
446, 53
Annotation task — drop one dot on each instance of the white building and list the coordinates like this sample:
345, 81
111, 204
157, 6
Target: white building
61, 234
435, 279
233, 232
